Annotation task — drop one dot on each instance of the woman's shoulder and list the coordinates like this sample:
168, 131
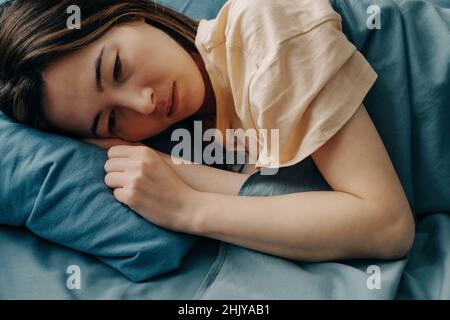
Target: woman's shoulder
302, 12
263, 24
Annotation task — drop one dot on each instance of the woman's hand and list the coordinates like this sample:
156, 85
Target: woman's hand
148, 185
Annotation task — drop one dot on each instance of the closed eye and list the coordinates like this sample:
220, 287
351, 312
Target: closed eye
117, 69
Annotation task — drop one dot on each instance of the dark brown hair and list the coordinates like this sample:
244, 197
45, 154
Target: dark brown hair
34, 33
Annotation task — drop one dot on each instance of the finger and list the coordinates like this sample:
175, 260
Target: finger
119, 194
119, 164
116, 179
123, 151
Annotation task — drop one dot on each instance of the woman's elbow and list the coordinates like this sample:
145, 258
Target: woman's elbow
397, 236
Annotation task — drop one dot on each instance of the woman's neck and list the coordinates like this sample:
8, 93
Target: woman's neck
208, 107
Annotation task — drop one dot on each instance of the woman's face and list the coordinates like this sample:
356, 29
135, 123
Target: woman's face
126, 80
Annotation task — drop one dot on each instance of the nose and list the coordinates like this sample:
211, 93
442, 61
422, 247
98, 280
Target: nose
143, 102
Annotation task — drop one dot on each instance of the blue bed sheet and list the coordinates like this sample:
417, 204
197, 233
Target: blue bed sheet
33, 268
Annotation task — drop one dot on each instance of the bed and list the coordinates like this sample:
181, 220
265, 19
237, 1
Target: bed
409, 106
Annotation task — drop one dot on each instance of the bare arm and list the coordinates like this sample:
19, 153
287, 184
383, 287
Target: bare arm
208, 179
199, 177
367, 214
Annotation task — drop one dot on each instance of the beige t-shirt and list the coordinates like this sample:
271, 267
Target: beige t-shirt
286, 65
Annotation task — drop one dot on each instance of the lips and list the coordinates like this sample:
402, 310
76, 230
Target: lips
168, 106
170, 103
173, 103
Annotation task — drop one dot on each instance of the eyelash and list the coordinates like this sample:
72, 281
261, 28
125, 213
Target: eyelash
117, 69
116, 74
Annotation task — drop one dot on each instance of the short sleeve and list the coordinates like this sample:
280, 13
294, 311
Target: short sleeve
307, 87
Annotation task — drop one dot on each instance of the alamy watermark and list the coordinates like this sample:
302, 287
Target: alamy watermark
73, 281
374, 280
263, 147
74, 20
374, 19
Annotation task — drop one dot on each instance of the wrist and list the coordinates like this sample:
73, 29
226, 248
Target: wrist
197, 212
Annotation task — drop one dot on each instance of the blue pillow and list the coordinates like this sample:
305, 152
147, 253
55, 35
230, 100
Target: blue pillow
54, 186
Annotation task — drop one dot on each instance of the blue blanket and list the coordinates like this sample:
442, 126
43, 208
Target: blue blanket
409, 105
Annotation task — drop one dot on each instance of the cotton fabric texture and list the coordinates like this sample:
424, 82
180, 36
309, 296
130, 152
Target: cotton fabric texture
283, 65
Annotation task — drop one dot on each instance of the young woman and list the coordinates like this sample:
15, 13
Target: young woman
260, 64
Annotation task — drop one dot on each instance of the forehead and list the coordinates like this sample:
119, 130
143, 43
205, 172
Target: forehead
69, 87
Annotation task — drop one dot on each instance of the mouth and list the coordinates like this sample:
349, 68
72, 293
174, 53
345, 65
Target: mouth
172, 107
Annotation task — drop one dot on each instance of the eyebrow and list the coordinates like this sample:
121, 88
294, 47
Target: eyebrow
99, 87
98, 71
